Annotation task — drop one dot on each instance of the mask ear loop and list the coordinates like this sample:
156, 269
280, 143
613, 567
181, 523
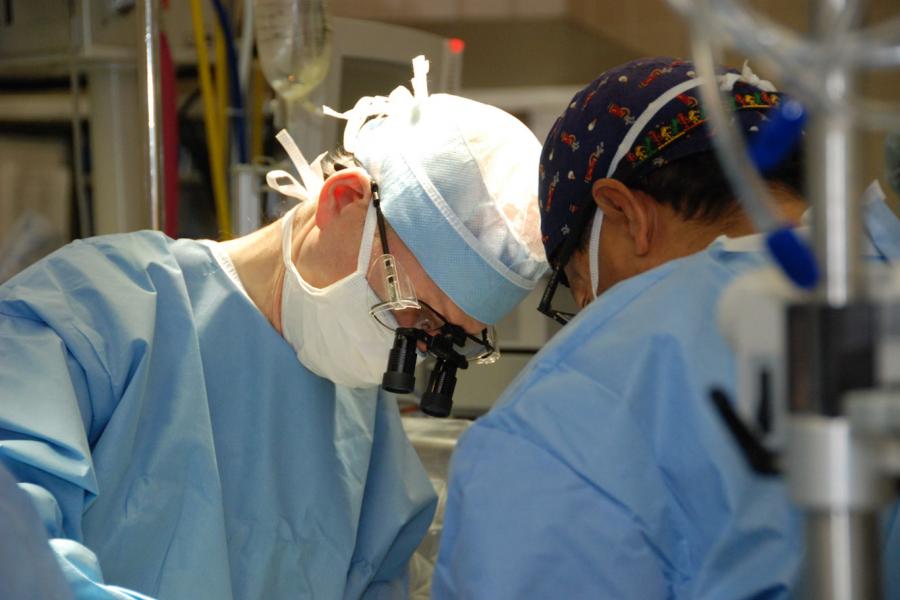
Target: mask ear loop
594, 252
294, 189
311, 180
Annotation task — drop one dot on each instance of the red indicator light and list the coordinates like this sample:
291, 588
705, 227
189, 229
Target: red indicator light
456, 45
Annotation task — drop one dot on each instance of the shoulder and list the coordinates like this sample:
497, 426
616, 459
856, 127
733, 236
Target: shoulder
657, 313
95, 283
643, 353
102, 261
137, 248
98, 258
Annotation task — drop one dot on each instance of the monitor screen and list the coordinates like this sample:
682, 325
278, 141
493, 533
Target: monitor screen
370, 77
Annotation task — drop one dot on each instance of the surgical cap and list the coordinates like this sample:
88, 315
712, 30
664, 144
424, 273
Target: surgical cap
629, 121
457, 181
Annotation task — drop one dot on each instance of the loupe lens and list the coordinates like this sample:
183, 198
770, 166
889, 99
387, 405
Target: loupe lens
438, 398
400, 376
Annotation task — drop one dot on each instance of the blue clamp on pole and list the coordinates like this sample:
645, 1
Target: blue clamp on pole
768, 149
794, 256
777, 139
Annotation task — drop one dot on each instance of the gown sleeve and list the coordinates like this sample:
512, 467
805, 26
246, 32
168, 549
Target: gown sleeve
398, 508
43, 421
520, 524
27, 567
56, 395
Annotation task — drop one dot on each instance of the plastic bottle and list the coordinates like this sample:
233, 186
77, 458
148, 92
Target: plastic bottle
293, 39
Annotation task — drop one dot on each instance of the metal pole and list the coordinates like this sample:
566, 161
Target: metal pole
829, 474
116, 160
842, 542
833, 168
834, 477
148, 21
85, 220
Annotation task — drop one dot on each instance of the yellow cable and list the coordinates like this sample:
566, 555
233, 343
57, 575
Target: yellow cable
213, 139
257, 121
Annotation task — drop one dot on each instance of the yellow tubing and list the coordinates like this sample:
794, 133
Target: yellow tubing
213, 134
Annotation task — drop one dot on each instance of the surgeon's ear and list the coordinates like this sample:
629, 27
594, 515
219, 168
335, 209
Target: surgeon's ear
633, 210
339, 191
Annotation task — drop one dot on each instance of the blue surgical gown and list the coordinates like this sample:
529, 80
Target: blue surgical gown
28, 570
604, 472
176, 448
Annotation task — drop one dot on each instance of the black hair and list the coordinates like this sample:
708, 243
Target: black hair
697, 188
338, 159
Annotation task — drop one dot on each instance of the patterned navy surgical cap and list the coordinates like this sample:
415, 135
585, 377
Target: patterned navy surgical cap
630, 120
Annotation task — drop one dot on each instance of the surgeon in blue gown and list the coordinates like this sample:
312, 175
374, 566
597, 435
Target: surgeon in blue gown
603, 471
204, 420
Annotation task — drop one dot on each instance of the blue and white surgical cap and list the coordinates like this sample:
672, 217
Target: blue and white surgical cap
458, 183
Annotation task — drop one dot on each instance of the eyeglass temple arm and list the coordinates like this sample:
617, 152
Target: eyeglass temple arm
547, 298
565, 253
459, 329
483, 340
382, 230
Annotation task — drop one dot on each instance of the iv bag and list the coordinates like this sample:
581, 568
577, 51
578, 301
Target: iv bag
293, 39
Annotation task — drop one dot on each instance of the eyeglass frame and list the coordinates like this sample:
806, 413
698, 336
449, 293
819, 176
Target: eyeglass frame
489, 348
558, 275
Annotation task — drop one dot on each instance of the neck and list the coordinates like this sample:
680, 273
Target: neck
257, 258
695, 236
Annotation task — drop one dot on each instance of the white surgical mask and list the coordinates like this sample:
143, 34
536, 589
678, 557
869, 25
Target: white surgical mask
330, 328
594, 252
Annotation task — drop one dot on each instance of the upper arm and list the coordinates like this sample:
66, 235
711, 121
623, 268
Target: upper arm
73, 334
44, 414
44, 418
27, 567
521, 524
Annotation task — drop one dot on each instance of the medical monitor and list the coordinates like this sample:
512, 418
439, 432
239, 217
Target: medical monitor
371, 59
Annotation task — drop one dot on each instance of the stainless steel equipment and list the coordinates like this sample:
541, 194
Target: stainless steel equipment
838, 448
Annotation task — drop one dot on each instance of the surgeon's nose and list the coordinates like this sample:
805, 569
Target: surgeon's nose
407, 318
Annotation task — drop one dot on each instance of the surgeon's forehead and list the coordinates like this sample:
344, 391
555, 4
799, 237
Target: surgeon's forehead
445, 305
428, 291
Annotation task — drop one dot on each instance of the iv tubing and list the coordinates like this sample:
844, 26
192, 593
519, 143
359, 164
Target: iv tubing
245, 62
748, 186
234, 84
257, 118
213, 138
